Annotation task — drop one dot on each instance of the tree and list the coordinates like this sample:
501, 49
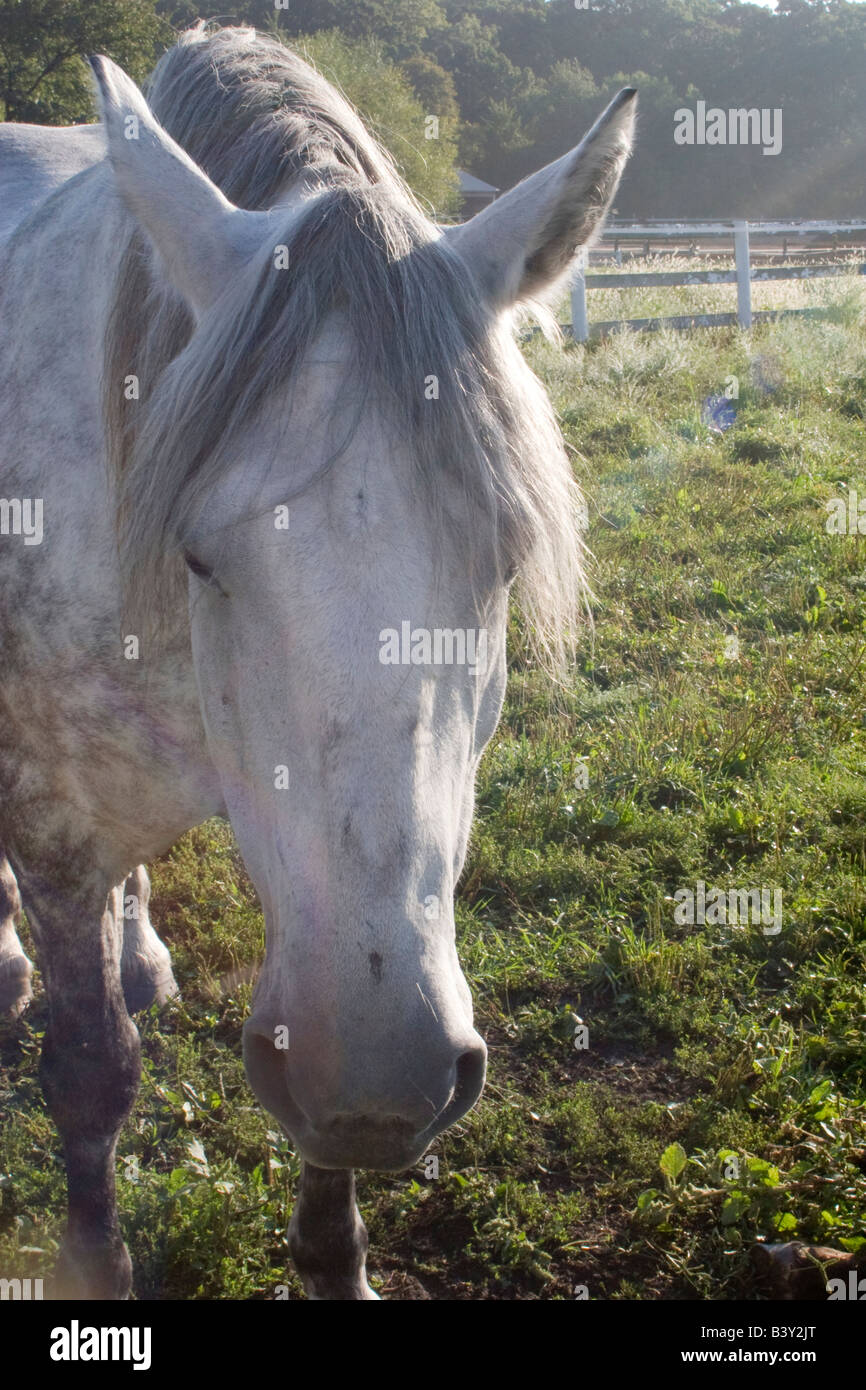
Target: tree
559, 113
528, 76
402, 27
42, 43
434, 88
388, 106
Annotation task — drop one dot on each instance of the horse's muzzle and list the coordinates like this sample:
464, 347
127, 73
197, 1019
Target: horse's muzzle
390, 1138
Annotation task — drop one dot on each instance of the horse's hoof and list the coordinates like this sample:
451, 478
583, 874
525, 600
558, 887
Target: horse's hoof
145, 982
15, 985
92, 1272
335, 1290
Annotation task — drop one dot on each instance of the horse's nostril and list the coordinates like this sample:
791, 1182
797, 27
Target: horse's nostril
471, 1068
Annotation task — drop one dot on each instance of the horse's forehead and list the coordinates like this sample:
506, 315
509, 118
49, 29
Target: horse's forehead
332, 345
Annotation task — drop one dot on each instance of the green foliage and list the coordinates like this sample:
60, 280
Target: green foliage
391, 110
528, 77
434, 88
42, 43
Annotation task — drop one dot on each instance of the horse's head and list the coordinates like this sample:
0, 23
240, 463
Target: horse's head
356, 463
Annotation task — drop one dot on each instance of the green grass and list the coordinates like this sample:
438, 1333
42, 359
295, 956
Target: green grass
722, 1097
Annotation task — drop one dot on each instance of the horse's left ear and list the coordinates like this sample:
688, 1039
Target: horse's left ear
202, 237
524, 243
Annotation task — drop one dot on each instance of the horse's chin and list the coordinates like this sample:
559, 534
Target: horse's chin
384, 1144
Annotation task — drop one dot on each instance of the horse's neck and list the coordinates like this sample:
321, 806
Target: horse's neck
62, 595
56, 280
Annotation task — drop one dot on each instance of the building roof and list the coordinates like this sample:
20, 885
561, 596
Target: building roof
470, 184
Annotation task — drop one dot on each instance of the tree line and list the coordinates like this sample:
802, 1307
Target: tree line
513, 84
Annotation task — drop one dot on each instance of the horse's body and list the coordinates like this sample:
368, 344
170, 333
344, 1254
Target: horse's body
36, 160
162, 390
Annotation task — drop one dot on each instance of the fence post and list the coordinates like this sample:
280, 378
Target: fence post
579, 320
744, 274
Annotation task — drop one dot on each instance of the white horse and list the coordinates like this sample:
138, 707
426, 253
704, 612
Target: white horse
271, 460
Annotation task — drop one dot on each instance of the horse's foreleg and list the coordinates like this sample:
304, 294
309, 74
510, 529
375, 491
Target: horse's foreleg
145, 964
90, 1071
15, 968
327, 1238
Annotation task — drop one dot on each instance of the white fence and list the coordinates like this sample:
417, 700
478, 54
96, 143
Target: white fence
743, 276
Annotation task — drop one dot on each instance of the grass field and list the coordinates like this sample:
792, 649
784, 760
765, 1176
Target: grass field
714, 730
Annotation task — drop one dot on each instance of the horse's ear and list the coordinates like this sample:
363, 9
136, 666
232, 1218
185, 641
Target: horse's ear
521, 245
200, 236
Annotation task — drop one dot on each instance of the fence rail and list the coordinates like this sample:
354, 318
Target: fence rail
742, 276
665, 227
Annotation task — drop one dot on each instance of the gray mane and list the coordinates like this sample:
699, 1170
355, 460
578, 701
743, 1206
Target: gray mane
489, 454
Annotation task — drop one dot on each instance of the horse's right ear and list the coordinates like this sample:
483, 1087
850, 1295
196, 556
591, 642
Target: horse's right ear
202, 238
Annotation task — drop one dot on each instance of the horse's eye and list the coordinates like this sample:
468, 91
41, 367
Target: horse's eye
198, 569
